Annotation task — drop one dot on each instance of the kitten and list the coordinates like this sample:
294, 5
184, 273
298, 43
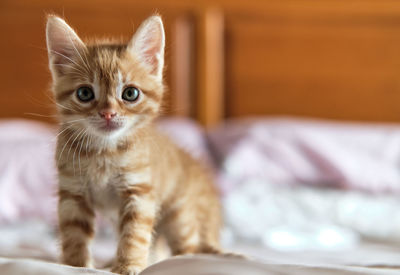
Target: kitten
111, 159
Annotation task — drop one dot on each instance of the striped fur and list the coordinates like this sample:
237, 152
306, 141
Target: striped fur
134, 175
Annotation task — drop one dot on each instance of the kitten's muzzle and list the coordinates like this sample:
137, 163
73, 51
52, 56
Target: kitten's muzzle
110, 121
110, 125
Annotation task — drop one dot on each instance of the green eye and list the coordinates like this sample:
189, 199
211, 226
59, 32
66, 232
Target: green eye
130, 94
85, 94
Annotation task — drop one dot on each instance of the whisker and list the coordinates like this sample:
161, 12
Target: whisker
40, 115
62, 106
66, 128
71, 121
59, 157
70, 147
87, 144
79, 153
58, 104
73, 141
85, 182
71, 125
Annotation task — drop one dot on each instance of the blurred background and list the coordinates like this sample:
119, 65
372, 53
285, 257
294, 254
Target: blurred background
295, 105
227, 59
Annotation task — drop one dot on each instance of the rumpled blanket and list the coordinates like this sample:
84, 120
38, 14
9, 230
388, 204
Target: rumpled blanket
310, 152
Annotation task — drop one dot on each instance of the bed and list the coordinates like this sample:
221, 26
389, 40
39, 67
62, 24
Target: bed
298, 202
293, 104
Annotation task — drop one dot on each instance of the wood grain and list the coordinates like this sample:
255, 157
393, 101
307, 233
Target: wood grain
210, 93
340, 60
182, 64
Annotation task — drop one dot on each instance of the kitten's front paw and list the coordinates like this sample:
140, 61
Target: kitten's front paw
126, 270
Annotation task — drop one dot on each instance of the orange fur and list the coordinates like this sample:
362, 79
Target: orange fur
133, 174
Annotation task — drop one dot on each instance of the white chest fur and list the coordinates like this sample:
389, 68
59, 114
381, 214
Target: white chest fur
103, 181
106, 177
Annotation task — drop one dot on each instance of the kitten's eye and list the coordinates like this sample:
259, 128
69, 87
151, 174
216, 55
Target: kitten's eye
85, 94
130, 94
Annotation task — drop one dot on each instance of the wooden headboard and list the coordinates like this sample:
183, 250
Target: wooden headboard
337, 59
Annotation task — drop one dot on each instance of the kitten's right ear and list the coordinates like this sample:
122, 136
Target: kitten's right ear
63, 44
148, 45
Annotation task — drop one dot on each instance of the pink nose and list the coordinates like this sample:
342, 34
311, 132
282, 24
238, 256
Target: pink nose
108, 115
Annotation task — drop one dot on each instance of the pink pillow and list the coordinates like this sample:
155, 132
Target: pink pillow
27, 170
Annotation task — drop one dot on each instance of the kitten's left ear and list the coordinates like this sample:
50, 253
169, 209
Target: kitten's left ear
148, 45
63, 44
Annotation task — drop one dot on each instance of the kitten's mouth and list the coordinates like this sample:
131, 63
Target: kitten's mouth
110, 126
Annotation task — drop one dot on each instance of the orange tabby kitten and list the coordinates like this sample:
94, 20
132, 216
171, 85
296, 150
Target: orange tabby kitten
111, 159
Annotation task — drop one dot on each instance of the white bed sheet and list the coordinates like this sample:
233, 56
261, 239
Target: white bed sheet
194, 265
33, 240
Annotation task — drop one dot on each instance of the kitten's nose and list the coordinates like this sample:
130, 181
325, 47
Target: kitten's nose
107, 114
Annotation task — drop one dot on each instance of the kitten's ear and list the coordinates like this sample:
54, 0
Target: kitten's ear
148, 45
63, 44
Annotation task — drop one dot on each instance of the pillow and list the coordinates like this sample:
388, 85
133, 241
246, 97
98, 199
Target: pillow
27, 170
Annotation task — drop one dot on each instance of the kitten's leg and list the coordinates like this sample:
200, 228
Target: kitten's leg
76, 228
192, 226
211, 227
136, 223
182, 229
